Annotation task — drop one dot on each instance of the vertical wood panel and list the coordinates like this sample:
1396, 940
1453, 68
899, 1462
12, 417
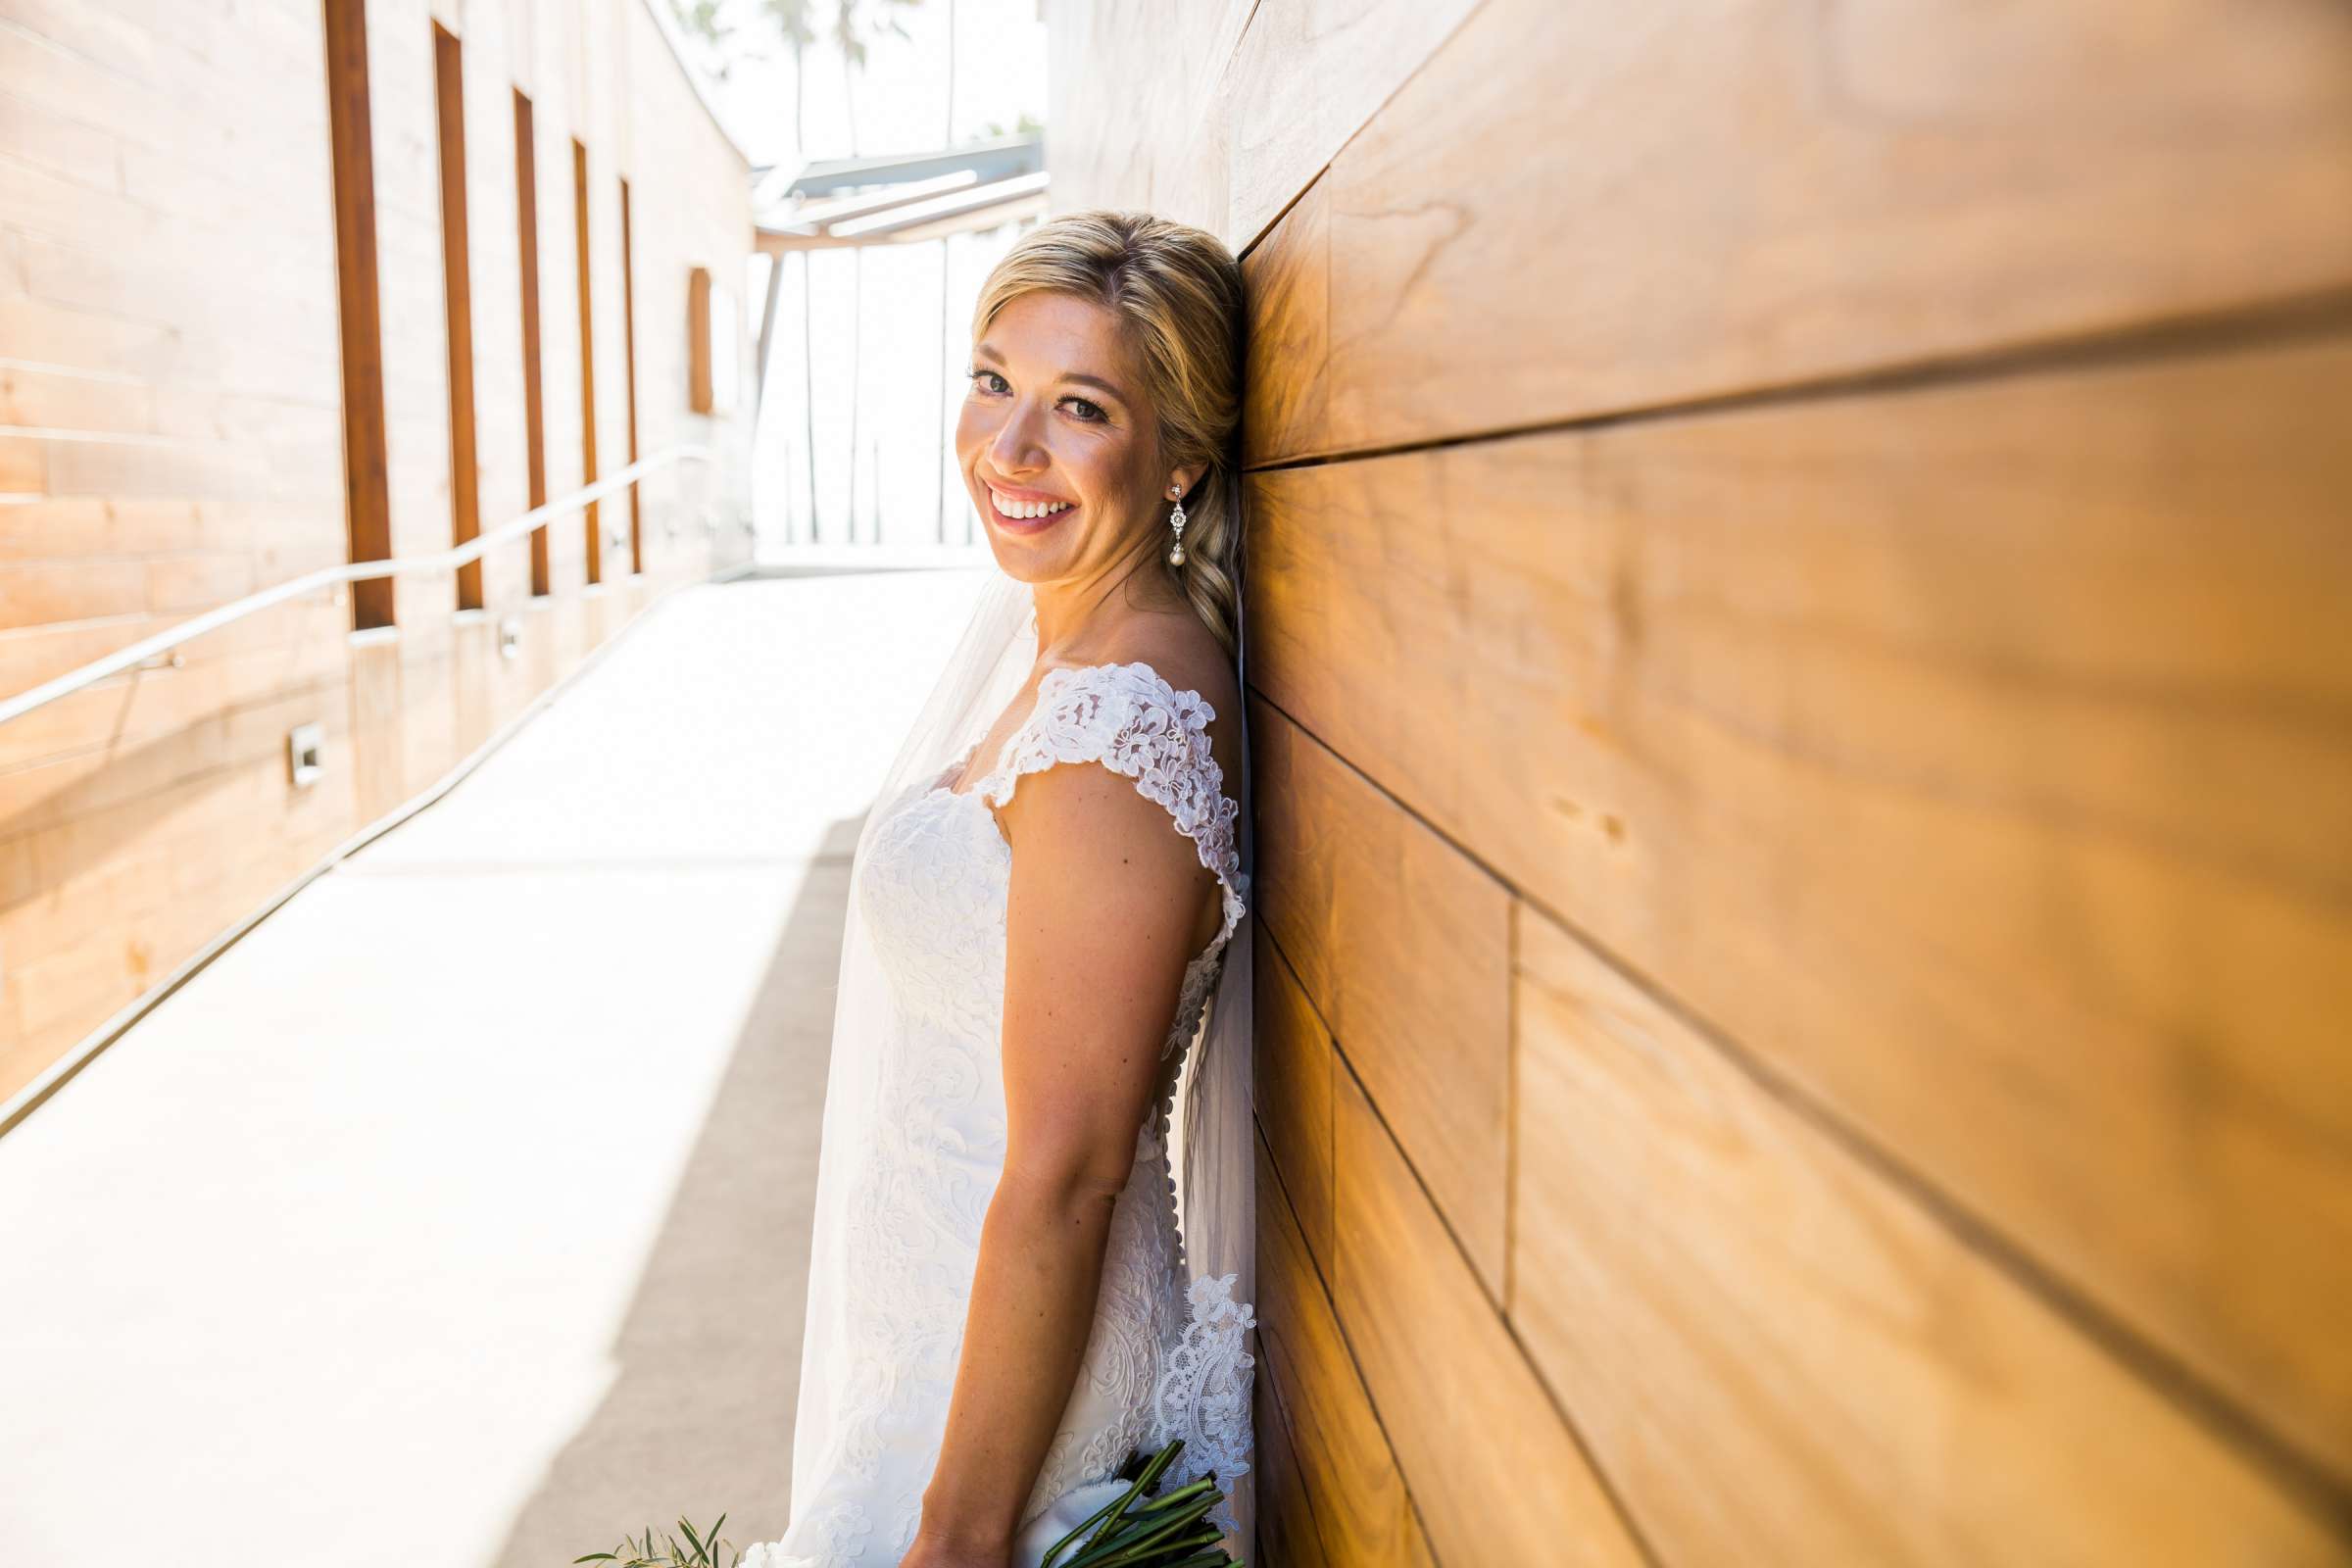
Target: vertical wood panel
1403, 946
698, 340
581, 250
1286, 1519
534, 414
1493, 1467
1285, 399
1883, 1394
628, 362
1294, 1068
1361, 1513
366, 462
465, 481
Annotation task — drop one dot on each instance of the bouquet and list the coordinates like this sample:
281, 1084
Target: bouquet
1125, 1529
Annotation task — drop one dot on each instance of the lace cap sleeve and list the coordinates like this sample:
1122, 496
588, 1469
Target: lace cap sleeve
1133, 722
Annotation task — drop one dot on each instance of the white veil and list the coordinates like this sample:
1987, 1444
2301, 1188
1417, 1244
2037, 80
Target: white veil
1212, 1137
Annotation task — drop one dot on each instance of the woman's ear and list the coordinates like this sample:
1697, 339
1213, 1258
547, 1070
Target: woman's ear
1185, 478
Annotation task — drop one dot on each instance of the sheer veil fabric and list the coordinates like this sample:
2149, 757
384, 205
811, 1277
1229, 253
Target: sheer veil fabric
1212, 1147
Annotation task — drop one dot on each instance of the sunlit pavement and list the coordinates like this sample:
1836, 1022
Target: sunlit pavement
458, 1213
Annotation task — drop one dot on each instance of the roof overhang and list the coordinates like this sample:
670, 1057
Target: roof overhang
902, 218
841, 202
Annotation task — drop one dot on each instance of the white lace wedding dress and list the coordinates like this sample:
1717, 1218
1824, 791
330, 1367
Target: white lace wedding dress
1165, 1358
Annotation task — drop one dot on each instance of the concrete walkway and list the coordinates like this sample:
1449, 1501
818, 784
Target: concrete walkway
459, 1213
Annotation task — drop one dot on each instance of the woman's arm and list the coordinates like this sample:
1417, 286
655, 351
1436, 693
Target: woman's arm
1105, 894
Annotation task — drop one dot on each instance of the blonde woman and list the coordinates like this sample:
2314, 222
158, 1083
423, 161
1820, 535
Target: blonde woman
1032, 1252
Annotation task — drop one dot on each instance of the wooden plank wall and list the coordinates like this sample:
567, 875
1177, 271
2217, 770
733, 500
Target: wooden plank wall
170, 438
1800, 610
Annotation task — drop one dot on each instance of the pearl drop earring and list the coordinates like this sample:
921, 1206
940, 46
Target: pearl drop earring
1176, 521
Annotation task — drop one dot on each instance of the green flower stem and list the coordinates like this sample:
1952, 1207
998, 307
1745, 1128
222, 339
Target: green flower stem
1158, 1551
1112, 1512
1157, 1537
1201, 1493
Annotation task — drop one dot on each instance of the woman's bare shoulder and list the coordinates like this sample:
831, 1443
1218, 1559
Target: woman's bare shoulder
1183, 651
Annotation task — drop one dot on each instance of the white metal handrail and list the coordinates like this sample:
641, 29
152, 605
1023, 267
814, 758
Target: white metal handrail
358, 571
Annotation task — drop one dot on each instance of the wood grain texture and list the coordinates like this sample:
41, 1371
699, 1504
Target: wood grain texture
1401, 944
584, 297
1286, 396
156, 897
1292, 1060
1727, 1293
456, 271
1568, 212
1140, 99
364, 457
171, 710
534, 408
23, 466
1493, 1468
698, 340
68, 400
1286, 1517
628, 369
169, 319
1355, 1497
1303, 78
1217, 114
87, 822
1935, 746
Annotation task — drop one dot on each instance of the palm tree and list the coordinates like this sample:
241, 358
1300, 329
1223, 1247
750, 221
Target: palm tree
853, 30
939, 426
793, 24
852, 36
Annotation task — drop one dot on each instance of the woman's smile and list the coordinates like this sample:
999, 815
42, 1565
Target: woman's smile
1026, 524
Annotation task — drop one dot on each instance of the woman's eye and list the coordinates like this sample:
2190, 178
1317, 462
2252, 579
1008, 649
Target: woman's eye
1094, 414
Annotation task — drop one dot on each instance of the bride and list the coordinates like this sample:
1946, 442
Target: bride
1032, 1254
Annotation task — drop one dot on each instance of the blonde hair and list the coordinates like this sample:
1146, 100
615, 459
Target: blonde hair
1176, 292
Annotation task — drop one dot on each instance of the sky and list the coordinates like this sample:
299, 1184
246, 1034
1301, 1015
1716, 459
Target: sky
884, 466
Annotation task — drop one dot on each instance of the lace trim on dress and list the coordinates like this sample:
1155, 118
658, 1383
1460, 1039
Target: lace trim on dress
1128, 718
1203, 1395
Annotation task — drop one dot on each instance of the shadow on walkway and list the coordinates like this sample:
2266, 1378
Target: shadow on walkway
457, 1211
700, 1420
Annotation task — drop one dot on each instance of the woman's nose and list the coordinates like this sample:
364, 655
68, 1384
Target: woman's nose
1014, 447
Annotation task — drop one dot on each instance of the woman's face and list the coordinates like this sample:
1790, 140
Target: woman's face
1055, 415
